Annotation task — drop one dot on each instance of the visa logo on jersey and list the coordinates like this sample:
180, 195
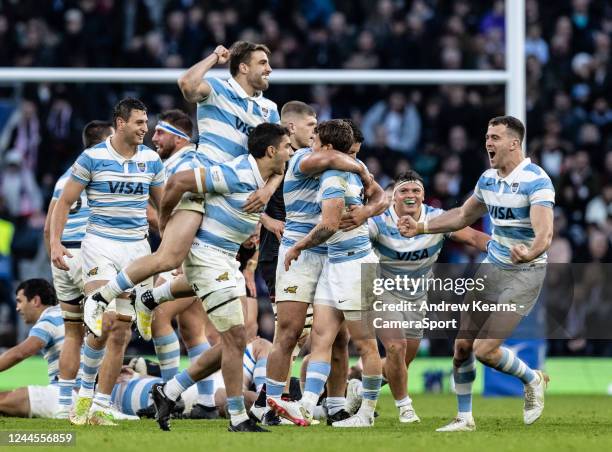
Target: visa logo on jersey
126, 188
501, 213
243, 126
413, 255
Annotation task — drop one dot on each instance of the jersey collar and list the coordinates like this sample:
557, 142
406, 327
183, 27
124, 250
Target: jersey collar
514, 174
178, 154
241, 92
395, 216
116, 155
255, 168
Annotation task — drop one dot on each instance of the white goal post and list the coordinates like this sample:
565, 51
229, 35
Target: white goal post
513, 77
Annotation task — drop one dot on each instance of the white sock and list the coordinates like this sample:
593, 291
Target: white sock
163, 293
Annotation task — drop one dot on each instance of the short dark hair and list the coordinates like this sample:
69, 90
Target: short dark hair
264, 135
336, 132
357, 133
124, 109
407, 176
241, 51
40, 287
95, 132
296, 107
179, 119
512, 123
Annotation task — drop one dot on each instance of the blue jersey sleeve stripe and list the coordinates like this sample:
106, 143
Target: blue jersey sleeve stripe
43, 335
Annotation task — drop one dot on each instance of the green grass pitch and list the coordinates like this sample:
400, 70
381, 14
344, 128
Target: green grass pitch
568, 423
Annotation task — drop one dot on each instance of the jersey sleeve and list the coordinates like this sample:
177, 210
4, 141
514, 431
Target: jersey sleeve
82, 169
159, 174
274, 117
373, 229
57, 190
222, 179
297, 172
542, 193
42, 330
478, 191
333, 185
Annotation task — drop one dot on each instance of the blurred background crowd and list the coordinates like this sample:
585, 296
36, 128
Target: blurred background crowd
436, 130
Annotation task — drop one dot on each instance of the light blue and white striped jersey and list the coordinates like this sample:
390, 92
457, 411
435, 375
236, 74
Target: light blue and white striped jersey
134, 394
50, 329
351, 245
228, 185
184, 159
303, 211
509, 201
118, 189
399, 255
227, 116
74, 231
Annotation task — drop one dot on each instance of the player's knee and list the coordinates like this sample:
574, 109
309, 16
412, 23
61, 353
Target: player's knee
167, 259
484, 353
288, 332
395, 349
463, 349
235, 337
365, 348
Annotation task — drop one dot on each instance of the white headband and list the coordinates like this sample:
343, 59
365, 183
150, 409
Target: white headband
167, 127
404, 182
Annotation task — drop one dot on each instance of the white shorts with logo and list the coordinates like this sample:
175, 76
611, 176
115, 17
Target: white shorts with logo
44, 400
348, 286
299, 283
213, 274
520, 287
104, 258
69, 283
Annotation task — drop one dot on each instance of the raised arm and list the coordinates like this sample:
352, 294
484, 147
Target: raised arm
331, 213
19, 352
192, 83
449, 221
70, 195
193, 181
542, 223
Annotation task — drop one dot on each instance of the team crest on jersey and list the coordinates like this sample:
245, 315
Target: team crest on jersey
93, 272
222, 277
514, 188
142, 166
291, 289
265, 112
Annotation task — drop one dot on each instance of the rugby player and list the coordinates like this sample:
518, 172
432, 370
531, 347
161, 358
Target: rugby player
69, 283
120, 176
519, 197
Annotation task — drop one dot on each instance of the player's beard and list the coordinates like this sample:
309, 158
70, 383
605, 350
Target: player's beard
259, 83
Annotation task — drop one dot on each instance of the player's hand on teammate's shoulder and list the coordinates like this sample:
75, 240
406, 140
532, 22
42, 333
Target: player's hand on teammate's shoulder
223, 54
57, 256
353, 217
292, 255
520, 254
407, 226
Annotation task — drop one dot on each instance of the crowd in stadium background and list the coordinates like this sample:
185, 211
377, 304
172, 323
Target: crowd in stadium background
439, 131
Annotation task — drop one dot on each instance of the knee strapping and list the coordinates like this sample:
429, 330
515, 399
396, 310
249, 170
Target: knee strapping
76, 317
